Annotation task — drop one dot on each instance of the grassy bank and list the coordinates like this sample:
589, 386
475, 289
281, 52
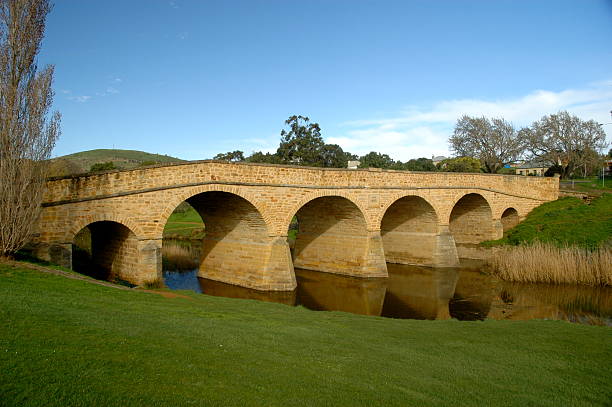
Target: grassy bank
565, 222
184, 225
69, 342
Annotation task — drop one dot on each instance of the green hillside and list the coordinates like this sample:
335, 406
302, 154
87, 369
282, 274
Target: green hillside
122, 159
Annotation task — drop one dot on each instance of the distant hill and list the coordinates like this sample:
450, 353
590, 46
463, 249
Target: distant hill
79, 163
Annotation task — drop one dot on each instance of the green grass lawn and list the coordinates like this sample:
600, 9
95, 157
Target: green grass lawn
592, 184
67, 342
566, 221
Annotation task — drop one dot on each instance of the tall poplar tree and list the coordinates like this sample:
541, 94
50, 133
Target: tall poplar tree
27, 130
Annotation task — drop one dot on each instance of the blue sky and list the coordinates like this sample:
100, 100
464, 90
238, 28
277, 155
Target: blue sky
194, 78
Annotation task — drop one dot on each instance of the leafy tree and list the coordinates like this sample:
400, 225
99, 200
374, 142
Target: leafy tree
376, 160
494, 142
267, 158
460, 164
27, 131
565, 140
302, 143
420, 164
106, 166
233, 156
332, 156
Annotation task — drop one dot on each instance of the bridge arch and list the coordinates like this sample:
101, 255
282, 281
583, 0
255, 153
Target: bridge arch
333, 236
107, 250
471, 220
236, 247
293, 210
509, 219
185, 194
409, 226
82, 222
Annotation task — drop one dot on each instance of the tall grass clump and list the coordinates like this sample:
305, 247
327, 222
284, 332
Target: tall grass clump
155, 283
178, 257
547, 263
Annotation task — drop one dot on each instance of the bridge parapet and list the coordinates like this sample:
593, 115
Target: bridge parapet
210, 172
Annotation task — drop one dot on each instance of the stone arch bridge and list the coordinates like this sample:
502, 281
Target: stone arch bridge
350, 221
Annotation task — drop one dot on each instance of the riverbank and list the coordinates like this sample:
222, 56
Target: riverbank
560, 242
565, 222
70, 342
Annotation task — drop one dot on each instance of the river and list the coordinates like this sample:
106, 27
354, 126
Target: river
416, 292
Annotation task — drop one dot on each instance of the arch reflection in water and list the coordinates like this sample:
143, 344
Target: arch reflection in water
418, 292
330, 292
473, 295
219, 289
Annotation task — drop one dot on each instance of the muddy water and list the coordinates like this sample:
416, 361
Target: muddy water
416, 292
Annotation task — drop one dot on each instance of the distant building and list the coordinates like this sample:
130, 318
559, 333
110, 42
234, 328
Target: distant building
514, 164
532, 168
607, 168
438, 158
353, 165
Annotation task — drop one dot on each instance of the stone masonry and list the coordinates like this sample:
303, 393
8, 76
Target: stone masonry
350, 221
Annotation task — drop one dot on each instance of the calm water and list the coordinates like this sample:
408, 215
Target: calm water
424, 293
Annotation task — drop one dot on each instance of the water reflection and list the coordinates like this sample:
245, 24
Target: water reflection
473, 295
419, 292
182, 280
424, 293
331, 292
219, 289
582, 304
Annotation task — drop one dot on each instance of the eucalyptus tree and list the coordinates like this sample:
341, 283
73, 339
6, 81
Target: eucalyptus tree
233, 156
302, 143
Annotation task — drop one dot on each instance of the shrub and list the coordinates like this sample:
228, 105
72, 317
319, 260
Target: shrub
106, 166
148, 163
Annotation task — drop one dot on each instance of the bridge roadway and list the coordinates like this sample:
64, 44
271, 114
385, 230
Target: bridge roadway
350, 221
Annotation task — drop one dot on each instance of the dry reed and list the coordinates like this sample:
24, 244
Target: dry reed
545, 263
180, 258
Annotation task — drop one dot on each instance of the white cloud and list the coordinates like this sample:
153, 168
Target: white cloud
80, 99
265, 145
110, 89
423, 131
